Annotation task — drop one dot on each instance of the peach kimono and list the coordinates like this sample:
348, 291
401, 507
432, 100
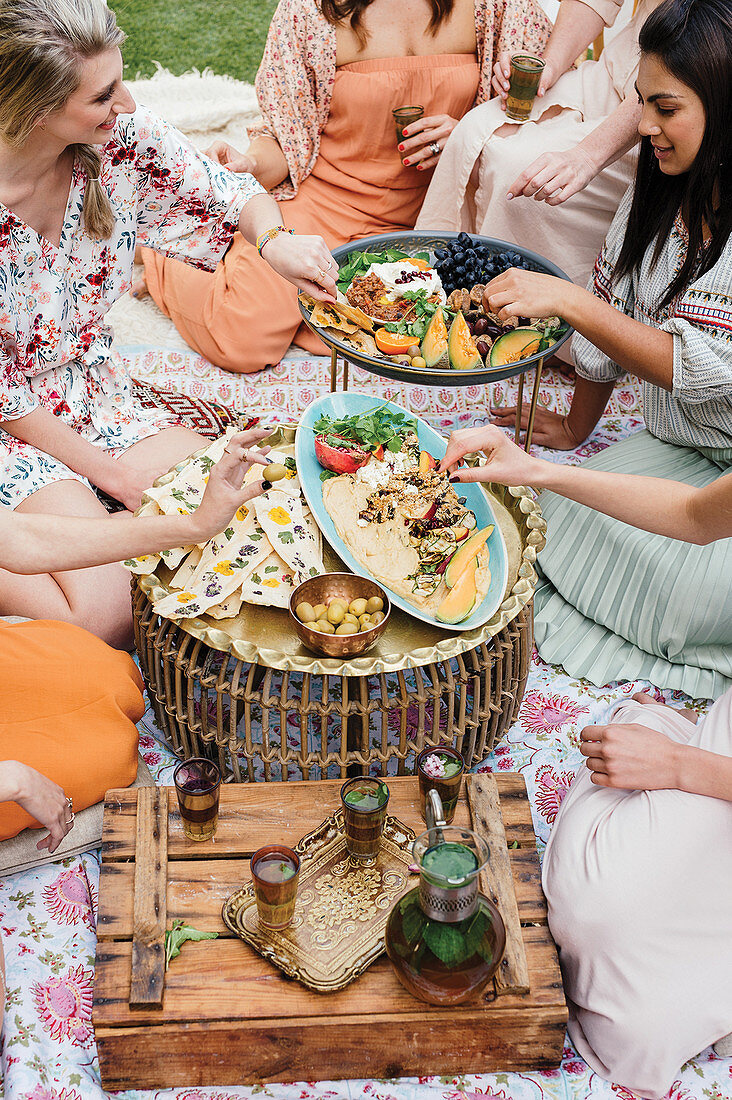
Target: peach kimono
346, 179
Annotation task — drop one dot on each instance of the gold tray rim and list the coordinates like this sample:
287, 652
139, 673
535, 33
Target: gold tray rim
307, 847
513, 497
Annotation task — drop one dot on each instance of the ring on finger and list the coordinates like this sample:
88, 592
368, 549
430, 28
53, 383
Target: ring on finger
435, 148
321, 273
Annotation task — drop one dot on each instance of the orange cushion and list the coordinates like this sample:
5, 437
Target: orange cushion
68, 708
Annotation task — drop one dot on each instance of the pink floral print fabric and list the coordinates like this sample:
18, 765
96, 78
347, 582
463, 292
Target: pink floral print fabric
54, 344
295, 79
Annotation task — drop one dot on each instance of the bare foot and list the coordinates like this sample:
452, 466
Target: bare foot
139, 288
645, 697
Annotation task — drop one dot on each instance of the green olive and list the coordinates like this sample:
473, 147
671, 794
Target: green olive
358, 607
324, 627
349, 618
375, 604
366, 626
346, 628
275, 471
413, 351
305, 612
365, 620
319, 610
336, 613
377, 617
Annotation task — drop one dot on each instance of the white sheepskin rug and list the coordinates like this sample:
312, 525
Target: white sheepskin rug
205, 107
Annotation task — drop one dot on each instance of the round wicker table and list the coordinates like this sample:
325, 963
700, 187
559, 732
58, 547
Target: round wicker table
245, 693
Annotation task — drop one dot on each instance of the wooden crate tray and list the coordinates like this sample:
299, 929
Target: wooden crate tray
222, 1015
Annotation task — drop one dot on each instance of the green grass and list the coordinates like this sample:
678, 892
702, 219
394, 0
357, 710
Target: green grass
224, 35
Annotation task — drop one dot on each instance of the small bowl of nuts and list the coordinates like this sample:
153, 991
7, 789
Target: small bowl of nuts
339, 614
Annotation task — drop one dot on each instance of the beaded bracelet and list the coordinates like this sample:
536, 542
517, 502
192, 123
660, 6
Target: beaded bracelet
269, 234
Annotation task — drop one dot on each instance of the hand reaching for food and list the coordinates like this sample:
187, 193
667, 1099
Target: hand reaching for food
224, 493
520, 293
507, 463
305, 262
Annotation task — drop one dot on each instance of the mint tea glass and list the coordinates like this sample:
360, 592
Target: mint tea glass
441, 768
364, 801
197, 783
275, 872
523, 85
405, 116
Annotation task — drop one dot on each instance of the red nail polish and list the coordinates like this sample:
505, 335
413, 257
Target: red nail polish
407, 161
401, 148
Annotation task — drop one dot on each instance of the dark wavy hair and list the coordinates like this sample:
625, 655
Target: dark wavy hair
693, 40
338, 11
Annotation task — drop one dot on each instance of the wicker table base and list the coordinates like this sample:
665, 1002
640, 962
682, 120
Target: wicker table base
212, 703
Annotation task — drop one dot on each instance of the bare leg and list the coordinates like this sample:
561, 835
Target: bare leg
165, 449
96, 599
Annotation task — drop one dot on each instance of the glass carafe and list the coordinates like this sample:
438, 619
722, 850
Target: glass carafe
444, 938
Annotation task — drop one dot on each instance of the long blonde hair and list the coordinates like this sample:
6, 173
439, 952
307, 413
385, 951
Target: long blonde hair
43, 45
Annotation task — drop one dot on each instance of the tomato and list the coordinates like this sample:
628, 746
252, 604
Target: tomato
392, 343
345, 459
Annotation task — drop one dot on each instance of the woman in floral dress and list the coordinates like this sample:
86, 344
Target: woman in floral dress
331, 74
84, 176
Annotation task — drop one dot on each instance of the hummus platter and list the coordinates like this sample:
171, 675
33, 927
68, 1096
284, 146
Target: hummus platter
369, 471
425, 311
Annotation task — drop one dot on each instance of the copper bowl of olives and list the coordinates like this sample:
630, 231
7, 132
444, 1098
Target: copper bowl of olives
339, 614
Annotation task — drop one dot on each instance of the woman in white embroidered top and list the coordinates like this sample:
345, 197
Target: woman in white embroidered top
613, 604
84, 176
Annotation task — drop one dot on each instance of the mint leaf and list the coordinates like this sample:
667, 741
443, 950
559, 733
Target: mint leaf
179, 934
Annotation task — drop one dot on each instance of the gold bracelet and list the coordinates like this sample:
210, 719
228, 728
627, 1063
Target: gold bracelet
269, 235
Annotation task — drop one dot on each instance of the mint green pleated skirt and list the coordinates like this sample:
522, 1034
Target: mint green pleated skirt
616, 603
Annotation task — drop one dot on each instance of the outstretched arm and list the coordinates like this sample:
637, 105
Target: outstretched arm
32, 543
670, 508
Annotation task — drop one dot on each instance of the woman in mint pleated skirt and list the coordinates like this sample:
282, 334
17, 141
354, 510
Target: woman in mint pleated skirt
614, 603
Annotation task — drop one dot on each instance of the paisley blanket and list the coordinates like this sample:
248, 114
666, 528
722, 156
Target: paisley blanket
47, 916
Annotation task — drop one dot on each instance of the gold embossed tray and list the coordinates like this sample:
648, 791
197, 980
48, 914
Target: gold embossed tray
341, 908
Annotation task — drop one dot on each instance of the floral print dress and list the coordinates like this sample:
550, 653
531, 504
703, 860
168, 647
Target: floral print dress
55, 349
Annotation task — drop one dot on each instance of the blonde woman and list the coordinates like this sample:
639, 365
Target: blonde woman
85, 175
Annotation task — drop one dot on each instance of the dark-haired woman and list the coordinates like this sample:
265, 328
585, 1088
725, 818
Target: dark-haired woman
615, 604
331, 74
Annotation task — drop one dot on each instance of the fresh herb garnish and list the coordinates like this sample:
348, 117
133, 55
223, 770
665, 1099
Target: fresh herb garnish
417, 323
379, 427
179, 934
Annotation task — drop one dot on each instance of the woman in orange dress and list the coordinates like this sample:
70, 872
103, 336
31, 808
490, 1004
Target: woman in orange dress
331, 74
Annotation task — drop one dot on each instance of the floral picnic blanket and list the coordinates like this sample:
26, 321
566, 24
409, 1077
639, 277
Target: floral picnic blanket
47, 916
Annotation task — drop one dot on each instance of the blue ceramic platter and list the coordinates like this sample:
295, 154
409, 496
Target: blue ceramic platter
309, 471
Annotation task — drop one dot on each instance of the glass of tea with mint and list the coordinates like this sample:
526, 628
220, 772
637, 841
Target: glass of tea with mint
364, 801
197, 783
441, 768
275, 871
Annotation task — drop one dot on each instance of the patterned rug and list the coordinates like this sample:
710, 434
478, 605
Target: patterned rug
48, 915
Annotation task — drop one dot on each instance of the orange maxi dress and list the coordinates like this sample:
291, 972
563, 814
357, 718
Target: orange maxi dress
68, 708
244, 316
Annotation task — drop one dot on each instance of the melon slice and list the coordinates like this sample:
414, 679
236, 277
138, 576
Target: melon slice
520, 343
461, 348
466, 554
460, 600
434, 341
